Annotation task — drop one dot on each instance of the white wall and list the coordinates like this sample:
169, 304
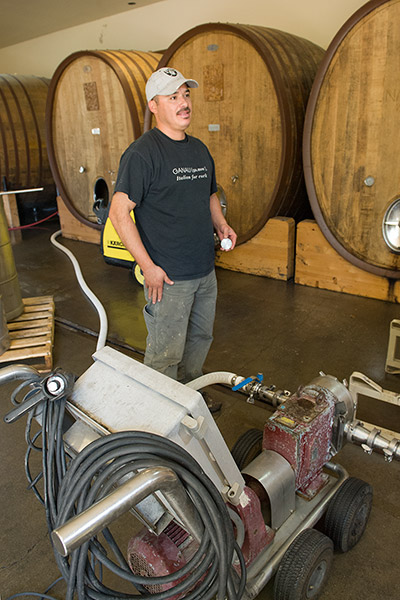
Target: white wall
156, 26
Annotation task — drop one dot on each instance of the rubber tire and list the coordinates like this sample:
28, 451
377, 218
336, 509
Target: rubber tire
247, 447
347, 514
306, 563
137, 273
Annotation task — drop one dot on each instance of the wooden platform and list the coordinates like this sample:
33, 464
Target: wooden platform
318, 265
32, 335
12, 216
270, 253
73, 229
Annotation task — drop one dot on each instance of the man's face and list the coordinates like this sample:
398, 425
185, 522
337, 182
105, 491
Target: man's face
173, 113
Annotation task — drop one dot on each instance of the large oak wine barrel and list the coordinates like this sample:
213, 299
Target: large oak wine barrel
23, 155
95, 109
351, 138
249, 111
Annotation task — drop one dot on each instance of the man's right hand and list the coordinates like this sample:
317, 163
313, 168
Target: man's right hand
154, 278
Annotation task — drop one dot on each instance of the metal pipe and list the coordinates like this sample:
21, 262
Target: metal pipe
267, 394
84, 526
14, 372
270, 395
10, 192
372, 439
264, 567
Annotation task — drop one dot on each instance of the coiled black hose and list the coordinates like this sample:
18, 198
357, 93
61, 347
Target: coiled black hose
71, 488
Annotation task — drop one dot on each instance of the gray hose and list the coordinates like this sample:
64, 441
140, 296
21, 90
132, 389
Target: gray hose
235, 518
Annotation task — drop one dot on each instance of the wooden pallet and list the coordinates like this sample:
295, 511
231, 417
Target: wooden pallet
12, 216
32, 335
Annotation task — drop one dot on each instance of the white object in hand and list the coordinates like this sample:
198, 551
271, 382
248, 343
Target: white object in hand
226, 244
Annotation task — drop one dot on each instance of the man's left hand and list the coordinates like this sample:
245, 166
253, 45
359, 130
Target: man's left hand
226, 232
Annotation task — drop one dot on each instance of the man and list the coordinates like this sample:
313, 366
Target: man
168, 177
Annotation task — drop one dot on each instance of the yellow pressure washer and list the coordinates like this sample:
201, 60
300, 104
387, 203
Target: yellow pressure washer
114, 251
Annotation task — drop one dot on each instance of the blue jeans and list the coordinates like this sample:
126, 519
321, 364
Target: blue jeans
180, 327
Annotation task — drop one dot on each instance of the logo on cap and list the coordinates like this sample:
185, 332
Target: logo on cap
171, 72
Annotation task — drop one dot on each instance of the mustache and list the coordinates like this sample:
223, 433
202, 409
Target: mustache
183, 110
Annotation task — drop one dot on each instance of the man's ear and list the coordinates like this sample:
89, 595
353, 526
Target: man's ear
152, 106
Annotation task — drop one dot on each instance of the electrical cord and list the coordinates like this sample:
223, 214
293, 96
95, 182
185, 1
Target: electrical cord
71, 486
96, 470
37, 594
117, 343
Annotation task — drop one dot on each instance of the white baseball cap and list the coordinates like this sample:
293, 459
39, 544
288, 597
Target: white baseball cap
166, 81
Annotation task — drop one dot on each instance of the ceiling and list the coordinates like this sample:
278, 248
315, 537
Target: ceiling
23, 20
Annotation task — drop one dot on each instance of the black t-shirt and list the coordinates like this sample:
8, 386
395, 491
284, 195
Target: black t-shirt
171, 183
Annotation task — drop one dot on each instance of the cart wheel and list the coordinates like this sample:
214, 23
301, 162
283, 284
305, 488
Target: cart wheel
247, 446
304, 567
348, 513
137, 273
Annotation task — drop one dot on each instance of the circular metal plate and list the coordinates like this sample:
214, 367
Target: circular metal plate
391, 226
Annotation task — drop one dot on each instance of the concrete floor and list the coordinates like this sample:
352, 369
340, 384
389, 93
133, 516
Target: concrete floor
286, 331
